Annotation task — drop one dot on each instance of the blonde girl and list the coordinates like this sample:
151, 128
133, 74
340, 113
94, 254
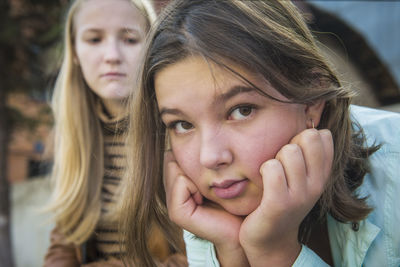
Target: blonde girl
269, 164
103, 42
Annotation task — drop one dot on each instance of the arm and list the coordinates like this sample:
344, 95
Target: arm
306, 258
206, 221
293, 182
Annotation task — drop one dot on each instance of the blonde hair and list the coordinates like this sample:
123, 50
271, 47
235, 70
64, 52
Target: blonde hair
78, 142
269, 38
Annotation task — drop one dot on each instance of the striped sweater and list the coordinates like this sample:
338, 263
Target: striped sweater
106, 234
106, 238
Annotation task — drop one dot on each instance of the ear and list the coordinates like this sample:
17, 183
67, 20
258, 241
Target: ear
313, 113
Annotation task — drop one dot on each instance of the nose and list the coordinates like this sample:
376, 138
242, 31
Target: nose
215, 151
112, 53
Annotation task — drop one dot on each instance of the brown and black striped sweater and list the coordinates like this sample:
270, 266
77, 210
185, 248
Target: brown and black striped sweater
106, 238
106, 234
103, 249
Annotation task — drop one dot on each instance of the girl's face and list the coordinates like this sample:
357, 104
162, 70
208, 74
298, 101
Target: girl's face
222, 130
109, 35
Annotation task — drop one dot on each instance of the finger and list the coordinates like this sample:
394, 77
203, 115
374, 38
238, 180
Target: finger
313, 151
315, 157
327, 141
319, 156
292, 160
213, 223
175, 179
274, 180
171, 171
181, 197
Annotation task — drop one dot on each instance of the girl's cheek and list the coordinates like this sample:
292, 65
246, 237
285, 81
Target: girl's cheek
259, 155
186, 159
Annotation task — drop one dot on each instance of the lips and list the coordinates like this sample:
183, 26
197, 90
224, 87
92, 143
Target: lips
229, 189
113, 75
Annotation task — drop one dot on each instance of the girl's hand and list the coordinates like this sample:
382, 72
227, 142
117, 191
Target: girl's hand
293, 182
187, 209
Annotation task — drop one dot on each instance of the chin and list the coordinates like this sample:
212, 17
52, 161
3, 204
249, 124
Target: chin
122, 93
241, 209
116, 93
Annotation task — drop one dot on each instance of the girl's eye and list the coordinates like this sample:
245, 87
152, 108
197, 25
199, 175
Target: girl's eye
94, 40
130, 40
181, 127
242, 112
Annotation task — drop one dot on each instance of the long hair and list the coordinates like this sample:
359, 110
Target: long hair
78, 142
269, 38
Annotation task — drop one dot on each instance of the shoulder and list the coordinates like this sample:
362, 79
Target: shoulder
379, 126
381, 185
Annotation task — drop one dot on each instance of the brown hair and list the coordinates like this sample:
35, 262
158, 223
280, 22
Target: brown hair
271, 39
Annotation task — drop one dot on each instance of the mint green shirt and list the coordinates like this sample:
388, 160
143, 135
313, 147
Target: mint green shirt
376, 242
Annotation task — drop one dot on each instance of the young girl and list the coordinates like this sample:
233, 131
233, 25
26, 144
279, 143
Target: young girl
269, 165
103, 45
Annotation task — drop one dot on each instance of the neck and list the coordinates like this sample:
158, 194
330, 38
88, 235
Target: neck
116, 107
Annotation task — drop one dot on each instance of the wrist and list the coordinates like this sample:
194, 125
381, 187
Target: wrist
276, 255
231, 255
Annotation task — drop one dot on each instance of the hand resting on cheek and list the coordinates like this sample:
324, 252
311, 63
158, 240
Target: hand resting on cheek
292, 184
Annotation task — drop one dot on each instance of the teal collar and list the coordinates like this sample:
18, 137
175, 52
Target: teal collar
350, 242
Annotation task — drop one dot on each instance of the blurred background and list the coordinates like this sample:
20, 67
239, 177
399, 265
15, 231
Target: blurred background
359, 37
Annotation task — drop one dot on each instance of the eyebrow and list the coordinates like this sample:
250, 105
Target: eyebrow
171, 111
130, 30
235, 90
123, 30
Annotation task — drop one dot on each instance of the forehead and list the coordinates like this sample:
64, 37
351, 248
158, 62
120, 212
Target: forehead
104, 14
196, 76
192, 75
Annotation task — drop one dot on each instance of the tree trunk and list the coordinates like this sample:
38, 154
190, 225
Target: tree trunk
6, 254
